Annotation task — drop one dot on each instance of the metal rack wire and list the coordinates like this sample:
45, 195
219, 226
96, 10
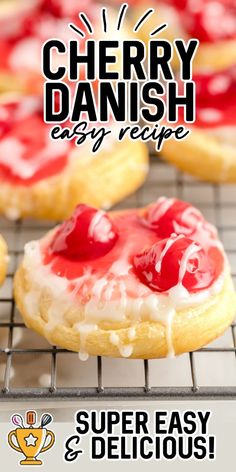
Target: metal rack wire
218, 205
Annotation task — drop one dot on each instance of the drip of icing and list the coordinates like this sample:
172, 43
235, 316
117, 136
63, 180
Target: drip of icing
109, 290
99, 286
114, 339
132, 333
84, 329
45, 380
126, 350
103, 294
83, 356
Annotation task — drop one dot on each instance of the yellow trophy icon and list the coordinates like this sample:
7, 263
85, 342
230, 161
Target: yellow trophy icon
31, 440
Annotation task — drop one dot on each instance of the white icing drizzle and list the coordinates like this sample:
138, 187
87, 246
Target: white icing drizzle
98, 287
83, 356
126, 350
120, 267
164, 204
103, 306
168, 245
26, 168
95, 221
85, 330
189, 252
109, 290
45, 380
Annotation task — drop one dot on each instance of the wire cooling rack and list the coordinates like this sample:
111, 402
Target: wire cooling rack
31, 368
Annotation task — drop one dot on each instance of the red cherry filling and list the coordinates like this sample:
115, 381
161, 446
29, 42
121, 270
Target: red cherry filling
178, 260
213, 89
215, 99
60, 8
88, 234
169, 216
207, 20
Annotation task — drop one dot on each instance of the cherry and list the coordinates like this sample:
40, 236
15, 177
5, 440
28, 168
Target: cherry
88, 234
169, 216
178, 260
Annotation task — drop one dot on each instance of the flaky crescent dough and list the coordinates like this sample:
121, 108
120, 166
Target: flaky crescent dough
192, 327
203, 156
100, 180
3, 259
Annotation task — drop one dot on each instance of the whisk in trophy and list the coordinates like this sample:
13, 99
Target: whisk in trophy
31, 440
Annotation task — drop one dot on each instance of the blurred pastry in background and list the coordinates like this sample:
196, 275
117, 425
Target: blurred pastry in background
212, 22
43, 178
3, 259
209, 152
25, 25
140, 283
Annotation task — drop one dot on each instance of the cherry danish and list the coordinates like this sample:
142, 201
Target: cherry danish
28, 24
124, 284
43, 178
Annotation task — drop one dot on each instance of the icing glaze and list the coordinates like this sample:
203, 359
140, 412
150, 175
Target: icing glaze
73, 247
27, 154
207, 20
114, 290
175, 216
